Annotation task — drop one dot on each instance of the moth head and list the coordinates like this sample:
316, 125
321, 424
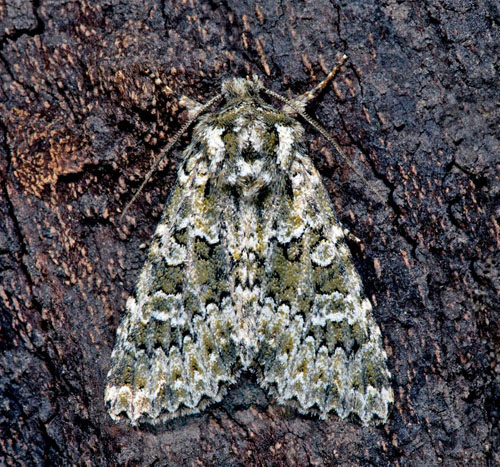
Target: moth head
242, 88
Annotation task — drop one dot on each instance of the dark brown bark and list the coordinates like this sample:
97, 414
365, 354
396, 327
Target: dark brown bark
416, 108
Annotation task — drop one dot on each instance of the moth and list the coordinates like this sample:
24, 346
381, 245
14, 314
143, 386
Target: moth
248, 270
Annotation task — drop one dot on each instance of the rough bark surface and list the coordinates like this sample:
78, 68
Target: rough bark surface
416, 109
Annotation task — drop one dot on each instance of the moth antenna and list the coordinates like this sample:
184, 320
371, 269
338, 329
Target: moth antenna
200, 110
298, 106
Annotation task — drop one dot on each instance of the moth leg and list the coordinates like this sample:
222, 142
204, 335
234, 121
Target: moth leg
351, 236
308, 96
193, 107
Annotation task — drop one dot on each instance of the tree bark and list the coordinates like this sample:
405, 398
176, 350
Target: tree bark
415, 109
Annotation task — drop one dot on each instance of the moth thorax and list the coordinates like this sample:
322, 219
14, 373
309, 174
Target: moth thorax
248, 173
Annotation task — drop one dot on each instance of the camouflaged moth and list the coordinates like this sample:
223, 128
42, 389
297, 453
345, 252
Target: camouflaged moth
248, 270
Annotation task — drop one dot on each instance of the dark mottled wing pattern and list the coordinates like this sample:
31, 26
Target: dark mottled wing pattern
321, 349
174, 352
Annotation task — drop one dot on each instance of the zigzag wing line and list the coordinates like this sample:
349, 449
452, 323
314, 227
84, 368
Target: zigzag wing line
321, 348
174, 352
